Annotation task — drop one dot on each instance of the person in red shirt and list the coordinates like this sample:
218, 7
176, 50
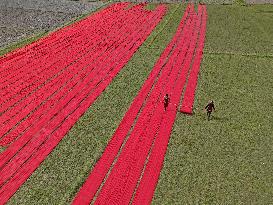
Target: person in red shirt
209, 108
166, 101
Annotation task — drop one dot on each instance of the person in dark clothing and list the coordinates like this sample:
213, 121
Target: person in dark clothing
209, 108
166, 101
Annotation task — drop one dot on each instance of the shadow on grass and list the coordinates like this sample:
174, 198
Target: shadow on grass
220, 119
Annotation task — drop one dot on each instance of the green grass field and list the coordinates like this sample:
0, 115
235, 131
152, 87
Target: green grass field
227, 160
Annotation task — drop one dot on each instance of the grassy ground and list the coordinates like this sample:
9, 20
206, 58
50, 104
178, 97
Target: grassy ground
240, 29
60, 176
2, 149
225, 161
229, 159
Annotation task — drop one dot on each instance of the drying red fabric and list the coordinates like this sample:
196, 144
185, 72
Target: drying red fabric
188, 100
38, 114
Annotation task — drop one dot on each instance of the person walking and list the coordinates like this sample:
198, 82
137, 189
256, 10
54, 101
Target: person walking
166, 101
209, 108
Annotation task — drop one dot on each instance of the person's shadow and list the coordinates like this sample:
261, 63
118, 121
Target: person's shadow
220, 119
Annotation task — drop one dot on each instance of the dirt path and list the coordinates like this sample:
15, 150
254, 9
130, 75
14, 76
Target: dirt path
22, 18
259, 1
